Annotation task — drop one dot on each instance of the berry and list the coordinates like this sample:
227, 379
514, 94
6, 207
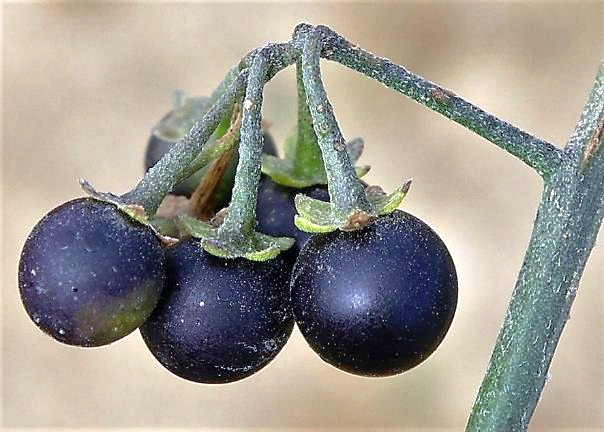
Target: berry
275, 210
375, 302
219, 320
89, 275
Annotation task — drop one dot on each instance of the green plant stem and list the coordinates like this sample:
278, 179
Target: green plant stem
210, 151
346, 192
240, 221
241, 217
232, 75
535, 152
226, 82
184, 159
172, 168
568, 220
302, 164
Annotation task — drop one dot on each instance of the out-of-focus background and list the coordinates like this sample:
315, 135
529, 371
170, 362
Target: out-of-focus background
83, 85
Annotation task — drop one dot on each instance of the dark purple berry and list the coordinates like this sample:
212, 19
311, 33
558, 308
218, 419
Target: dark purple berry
89, 275
218, 320
378, 301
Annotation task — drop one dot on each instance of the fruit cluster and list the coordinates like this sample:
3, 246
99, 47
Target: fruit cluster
373, 290
373, 302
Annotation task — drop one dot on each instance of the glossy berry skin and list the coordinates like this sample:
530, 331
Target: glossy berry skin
218, 320
157, 147
275, 210
89, 275
378, 301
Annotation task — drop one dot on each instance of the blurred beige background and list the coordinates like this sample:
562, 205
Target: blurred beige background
83, 85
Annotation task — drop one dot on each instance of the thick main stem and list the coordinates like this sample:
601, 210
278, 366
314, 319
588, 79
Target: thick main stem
569, 217
345, 191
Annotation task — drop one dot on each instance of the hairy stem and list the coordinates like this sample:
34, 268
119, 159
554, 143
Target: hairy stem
240, 221
535, 152
346, 192
224, 85
569, 217
241, 216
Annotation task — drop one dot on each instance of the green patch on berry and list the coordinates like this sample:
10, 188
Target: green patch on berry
105, 323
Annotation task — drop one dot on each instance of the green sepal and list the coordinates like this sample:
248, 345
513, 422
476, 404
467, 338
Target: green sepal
354, 147
258, 247
386, 204
318, 216
195, 227
307, 225
283, 171
313, 209
361, 170
134, 211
